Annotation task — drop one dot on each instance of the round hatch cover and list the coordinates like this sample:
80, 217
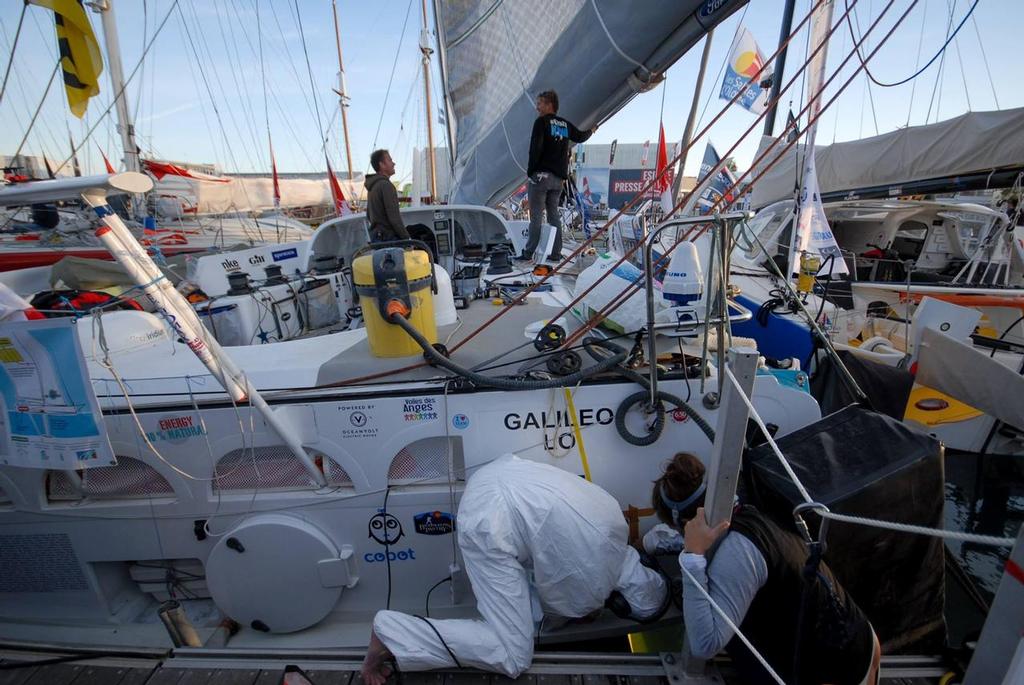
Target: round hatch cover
265, 574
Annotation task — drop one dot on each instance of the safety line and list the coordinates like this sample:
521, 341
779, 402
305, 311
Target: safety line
735, 629
988, 540
611, 41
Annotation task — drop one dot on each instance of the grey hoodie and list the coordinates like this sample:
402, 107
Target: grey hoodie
382, 210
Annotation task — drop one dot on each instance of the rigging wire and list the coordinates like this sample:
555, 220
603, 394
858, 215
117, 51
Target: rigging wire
14, 46
387, 92
867, 82
984, 58
937, 87
309, 71
212, 63
39, 107
718, 76
941, 52
917, 61
25, 75
963, 74
235, 68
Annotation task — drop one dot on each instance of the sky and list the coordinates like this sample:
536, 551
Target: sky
199, 93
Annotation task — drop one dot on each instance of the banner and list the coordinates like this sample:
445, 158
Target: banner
80, 58
813, 232
51, 417
745, 59
714, 187
624, 184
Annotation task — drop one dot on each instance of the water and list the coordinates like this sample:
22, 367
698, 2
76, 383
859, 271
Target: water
989, 502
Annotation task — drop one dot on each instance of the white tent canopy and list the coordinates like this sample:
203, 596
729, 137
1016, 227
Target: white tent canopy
976, 142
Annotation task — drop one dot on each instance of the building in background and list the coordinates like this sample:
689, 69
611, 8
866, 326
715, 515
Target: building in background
612, 184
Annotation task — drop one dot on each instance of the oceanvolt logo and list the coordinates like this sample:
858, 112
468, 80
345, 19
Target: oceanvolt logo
460, 421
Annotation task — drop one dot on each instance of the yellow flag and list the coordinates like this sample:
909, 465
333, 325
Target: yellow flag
80, 57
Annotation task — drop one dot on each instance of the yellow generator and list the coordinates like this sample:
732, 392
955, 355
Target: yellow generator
395, 281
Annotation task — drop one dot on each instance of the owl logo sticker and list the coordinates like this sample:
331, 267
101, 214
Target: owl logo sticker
385, 529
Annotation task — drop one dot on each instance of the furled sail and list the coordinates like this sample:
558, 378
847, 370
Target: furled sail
976, 143
597, 54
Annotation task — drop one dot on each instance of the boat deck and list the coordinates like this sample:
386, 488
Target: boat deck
550, 668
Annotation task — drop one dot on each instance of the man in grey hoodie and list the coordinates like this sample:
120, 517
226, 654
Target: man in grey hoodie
382, 201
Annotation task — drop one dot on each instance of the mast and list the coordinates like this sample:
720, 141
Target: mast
780, 66
426, 50
342, 90
125, 126
691, 119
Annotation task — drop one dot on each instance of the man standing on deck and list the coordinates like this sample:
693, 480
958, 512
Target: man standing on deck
382, 201
536, 541
550, 143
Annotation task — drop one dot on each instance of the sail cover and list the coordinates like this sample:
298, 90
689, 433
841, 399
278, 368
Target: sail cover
596, 54
973, 143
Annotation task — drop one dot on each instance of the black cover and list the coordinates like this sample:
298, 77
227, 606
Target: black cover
887, 387
863, 463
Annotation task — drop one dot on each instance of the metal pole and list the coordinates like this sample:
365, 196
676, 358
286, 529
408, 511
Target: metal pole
426, 50
780, 65
124, 120
649, 241
726, 454
185, 323
343, 91
691, 120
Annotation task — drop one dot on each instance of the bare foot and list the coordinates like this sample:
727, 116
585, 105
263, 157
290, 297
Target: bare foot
376, 670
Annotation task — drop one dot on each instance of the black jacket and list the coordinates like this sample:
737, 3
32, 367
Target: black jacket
836, 642
550, 143
382, 210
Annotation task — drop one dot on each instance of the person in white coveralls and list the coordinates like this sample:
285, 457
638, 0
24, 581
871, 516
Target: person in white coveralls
536, 541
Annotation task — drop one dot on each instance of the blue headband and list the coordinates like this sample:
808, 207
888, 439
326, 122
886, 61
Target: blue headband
678, 506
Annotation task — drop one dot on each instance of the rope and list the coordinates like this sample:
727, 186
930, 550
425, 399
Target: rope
735, 629
611, 41
387, 93
920, 71
984, 58
987, 540
14, 45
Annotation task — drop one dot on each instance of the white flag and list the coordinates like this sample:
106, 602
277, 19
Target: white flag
813, 232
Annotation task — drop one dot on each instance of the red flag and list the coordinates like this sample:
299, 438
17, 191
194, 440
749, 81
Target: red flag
161, 169
663, 184
106, 163
273, 170
341, 207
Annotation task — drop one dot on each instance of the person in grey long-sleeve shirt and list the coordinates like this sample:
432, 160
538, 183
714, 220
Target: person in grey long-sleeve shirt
754, 574
382, 201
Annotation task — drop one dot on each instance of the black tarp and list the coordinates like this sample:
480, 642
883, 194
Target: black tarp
888, 388
863, 463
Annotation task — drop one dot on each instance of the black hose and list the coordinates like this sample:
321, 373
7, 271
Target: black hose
659, 423
436, 357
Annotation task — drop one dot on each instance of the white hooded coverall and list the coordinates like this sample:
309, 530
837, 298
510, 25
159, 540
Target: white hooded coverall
516, 516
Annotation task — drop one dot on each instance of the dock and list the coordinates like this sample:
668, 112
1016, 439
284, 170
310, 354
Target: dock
195, 667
